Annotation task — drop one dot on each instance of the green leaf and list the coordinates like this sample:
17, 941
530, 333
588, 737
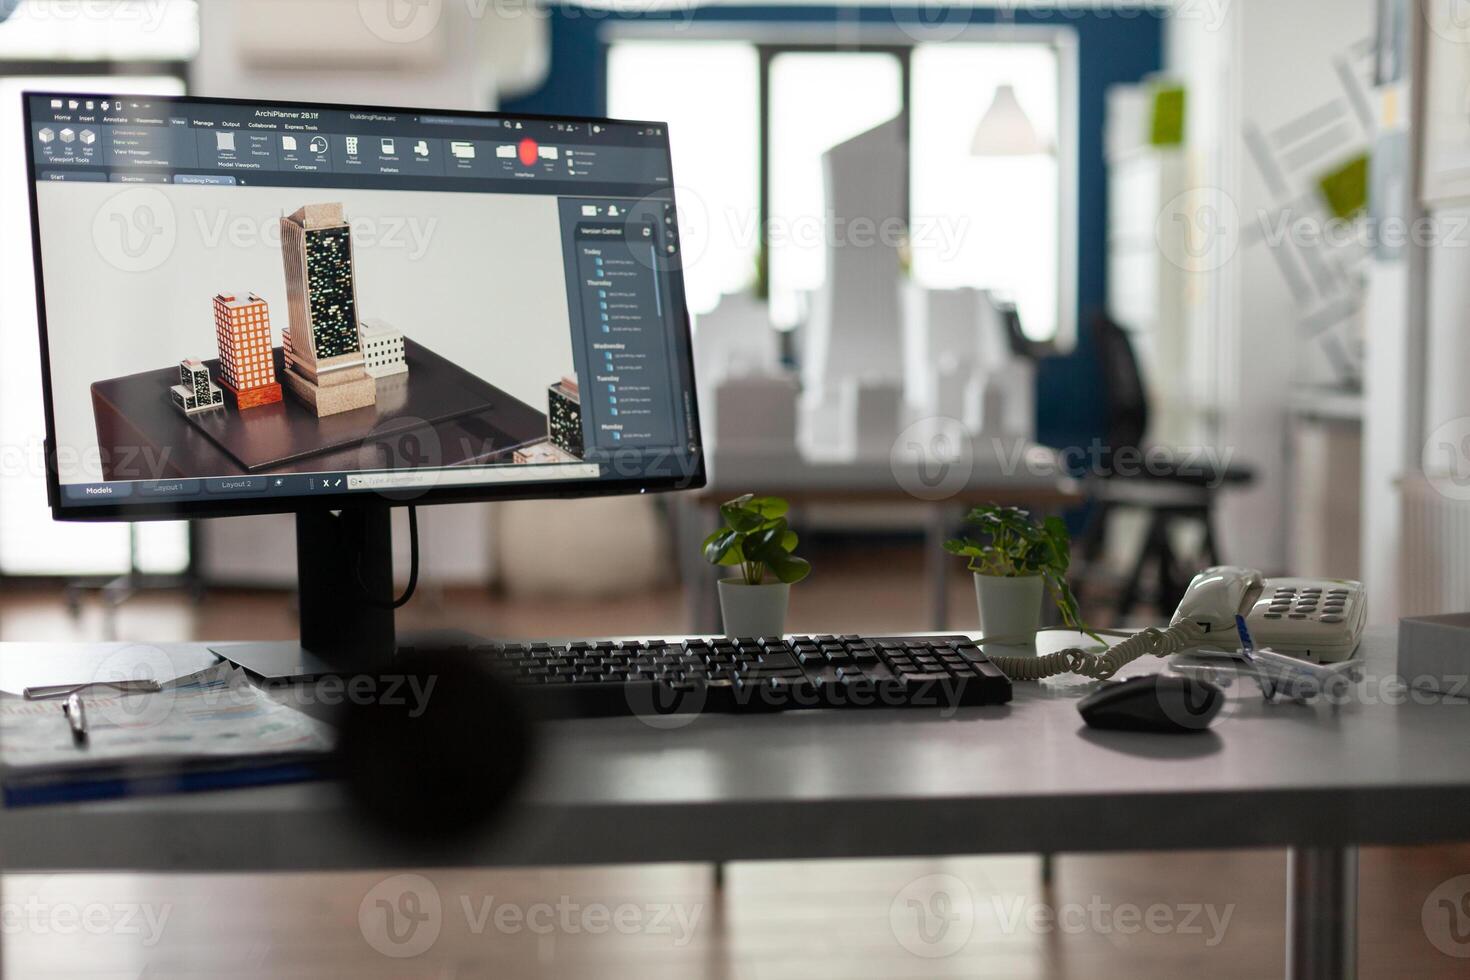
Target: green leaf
723, 548
764, 545
740, 518
790, 570
789, 542
768, 507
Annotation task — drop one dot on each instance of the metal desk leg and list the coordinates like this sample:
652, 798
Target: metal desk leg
936, 564
1322, 913
701, 603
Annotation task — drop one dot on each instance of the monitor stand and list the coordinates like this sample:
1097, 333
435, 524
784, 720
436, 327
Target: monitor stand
344, 569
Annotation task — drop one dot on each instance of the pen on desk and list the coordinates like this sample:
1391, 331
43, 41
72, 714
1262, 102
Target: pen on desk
76, 715
1247, 645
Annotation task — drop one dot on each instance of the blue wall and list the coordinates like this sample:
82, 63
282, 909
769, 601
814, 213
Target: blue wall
1113, 46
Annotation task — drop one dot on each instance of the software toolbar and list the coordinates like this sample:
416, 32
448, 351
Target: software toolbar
127, 141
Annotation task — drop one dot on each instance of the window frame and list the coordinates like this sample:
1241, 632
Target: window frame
771, 40
102, 68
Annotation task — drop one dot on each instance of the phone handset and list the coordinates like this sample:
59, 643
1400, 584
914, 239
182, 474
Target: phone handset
1218, 595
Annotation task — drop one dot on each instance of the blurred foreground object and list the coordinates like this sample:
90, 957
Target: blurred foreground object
440, 750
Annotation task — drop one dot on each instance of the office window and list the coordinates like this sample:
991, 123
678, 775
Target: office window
714, 134
992, 222
998, 223
818, 100
30, 542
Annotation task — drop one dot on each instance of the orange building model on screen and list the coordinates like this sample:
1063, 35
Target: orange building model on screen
247, 363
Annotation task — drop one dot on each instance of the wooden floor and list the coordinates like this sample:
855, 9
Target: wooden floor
1204, 915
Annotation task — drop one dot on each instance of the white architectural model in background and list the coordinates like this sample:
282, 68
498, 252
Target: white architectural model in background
958, 363
854, 334
382, 345
881, 353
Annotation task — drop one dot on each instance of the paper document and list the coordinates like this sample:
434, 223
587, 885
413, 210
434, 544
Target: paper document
208, 718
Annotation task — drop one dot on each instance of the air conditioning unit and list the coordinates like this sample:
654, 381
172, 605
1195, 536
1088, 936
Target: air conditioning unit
340, 34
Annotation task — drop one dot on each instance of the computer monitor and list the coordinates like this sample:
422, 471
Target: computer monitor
259, 307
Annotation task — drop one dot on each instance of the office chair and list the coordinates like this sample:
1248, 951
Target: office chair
1173, 489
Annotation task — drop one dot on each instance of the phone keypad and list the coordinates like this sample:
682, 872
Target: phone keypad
1312, 602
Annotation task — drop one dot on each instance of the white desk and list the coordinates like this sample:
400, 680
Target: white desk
1025, 777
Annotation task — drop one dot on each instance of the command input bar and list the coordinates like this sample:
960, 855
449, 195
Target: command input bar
523, 473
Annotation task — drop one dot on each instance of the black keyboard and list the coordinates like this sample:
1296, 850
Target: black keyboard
653, 679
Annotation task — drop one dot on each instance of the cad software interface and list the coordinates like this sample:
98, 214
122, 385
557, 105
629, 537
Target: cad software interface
277, 300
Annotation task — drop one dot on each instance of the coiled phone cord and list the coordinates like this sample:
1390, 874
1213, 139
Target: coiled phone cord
1186, 635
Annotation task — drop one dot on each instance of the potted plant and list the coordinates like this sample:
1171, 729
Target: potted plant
1016, 561
756, 539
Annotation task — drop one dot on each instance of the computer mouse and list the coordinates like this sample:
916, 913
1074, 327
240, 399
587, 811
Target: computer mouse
1163, 703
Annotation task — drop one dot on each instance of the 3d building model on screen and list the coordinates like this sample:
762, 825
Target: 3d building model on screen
382, 346
340, 378
247, 360
564, 416
195, 392
541, 451
563, 442
327, 368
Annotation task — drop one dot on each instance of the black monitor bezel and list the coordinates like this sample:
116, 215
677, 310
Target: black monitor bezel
164, 510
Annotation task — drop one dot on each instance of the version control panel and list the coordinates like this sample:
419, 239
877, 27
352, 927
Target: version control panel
629, 318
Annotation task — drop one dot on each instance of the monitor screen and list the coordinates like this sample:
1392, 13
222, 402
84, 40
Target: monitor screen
253, 307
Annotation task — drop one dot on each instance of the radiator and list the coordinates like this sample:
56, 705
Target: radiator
1435, 559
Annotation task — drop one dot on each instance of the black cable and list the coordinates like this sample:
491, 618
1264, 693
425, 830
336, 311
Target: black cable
413, 568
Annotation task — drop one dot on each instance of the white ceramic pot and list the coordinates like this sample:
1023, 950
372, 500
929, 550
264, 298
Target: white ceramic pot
753, 610
1010, 608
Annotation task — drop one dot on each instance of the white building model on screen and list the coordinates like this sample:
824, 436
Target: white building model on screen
382, 345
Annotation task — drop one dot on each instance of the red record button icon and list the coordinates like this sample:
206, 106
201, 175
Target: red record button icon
527, 151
